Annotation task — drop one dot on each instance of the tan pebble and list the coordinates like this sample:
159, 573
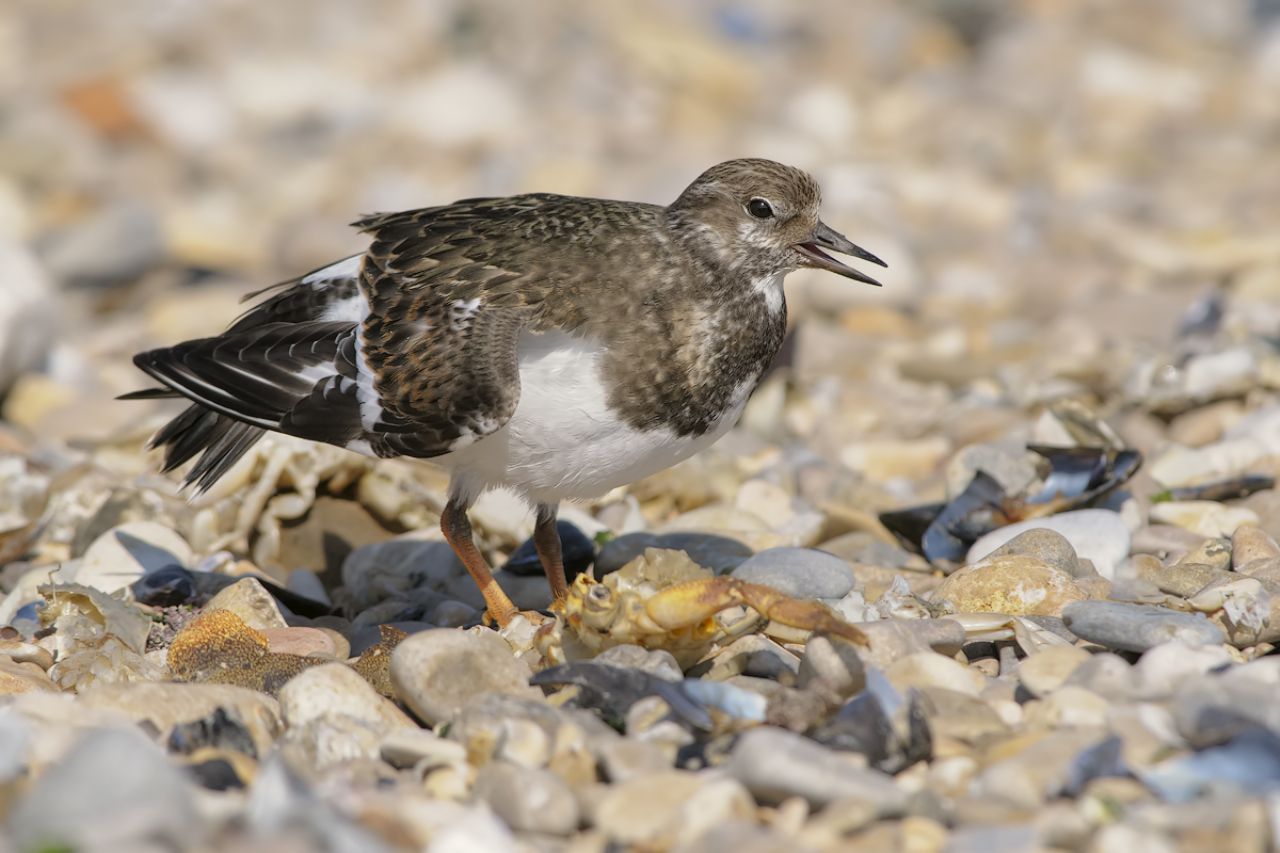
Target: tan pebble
1068, 707
249, 599
1250, 544
1012, 584
18, 678
1208, 518
21, 651
926, 669
1045, 672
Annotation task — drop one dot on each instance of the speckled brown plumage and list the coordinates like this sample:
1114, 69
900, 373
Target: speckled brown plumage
555, 345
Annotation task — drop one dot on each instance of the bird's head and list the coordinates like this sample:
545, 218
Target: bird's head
760, 218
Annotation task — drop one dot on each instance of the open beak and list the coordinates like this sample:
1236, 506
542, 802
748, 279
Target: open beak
826, 237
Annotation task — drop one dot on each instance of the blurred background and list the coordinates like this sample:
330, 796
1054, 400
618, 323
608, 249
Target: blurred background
1058, 187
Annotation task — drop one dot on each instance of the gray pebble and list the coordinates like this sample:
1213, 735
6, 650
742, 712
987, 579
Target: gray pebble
1047, 546
528, 799
438, 671
832, 665
1098, 535
800, 572
114, 789
718, 553
1136, 627
775, 764
892, 639
653, 661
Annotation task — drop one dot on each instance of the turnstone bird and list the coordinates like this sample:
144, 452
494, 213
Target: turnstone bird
554, 345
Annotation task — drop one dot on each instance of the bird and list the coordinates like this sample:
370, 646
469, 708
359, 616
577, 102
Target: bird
557, 346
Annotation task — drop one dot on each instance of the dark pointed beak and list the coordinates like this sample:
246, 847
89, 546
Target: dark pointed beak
826, 237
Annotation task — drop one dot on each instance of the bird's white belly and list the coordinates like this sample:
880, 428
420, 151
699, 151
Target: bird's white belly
564, 442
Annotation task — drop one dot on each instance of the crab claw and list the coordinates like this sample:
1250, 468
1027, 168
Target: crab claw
691, 602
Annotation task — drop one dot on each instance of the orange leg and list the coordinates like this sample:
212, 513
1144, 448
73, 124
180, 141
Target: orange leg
457, 532
546, 540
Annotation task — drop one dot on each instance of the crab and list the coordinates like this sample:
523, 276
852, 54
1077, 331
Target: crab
664, 600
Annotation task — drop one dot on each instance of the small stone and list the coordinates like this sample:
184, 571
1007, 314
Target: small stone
927, 669
1136, 628
304, 642
1105, 674
335, 690
166, 705
1046, 545
1214, 553
954, 716
115, 789
307, 584
1164, 669
1045, 671
1098, 535
655, 809
833, 666
775, 764
659, 662
718, 553
126, 553
528, 799
410, 747
1037, 767
1068, 707
1183, 579
249, 599
1012, 584
1250, 545
754, 655
576, 548
623, 759
1207, 518
391, 569
438, 671
16, 677
893, 639
798, 572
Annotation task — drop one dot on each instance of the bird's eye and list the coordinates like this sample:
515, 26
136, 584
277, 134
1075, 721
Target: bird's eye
759, 208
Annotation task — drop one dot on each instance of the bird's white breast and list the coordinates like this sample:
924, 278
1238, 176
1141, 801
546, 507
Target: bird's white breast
564, 441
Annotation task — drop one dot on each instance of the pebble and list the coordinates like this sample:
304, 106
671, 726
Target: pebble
775, 765
1251, 546
114, 789
1044, 544
926, 669
126, 553
1206, 518
668, 806
436, 672
798, 572
623, 759
165, 705
17, 677
391, 569
1098, 535
892, 639
832, 665
1135, 627
528, 799
249, 599
1012, 584
718, 553
411, 746
576, 549
306, 642
1045, 671
335, 690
